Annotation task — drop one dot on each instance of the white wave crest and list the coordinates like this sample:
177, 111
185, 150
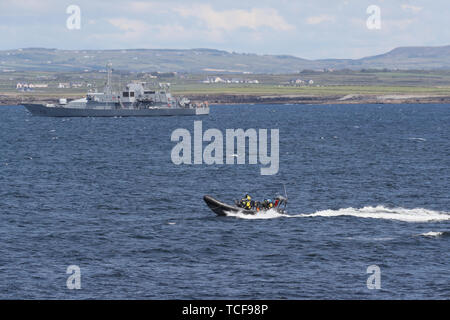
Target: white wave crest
378, 212
432, 234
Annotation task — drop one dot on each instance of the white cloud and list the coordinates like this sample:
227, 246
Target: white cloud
31, 4
132, 28
400, 24
387, 25
125, 24
147, 7
319, 19
412, 8
233, 19
27, 6
213, 25
138, 30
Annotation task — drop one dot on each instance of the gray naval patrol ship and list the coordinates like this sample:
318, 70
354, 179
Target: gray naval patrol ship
134, 101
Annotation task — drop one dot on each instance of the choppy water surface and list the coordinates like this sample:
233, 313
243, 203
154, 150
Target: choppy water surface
367, 185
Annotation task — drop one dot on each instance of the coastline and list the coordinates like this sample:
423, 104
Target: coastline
217, 98
321, 99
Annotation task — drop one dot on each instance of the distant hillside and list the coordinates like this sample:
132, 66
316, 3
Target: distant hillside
210, 60
411, 57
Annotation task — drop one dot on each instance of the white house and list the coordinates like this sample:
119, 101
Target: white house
38, 85
219, 80
63, 85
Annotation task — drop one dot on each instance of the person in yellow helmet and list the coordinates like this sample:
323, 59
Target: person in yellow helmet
246, 202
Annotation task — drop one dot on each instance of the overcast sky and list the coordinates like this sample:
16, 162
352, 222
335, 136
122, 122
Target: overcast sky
309, 29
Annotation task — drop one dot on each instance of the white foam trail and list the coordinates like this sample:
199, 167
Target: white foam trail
378, 212
432, 234
269, 214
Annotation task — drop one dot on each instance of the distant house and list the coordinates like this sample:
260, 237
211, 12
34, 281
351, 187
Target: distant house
297, 82
214, 80
232, 80
25, 86
63, 85
38, 85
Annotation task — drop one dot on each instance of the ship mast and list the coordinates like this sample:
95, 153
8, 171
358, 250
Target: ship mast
108, 89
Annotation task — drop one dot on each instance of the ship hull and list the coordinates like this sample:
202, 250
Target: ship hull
44, 111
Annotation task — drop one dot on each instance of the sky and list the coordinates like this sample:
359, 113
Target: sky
315, 29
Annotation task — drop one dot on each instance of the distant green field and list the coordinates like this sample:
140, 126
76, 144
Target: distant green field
307, 90
338, 83
263, 90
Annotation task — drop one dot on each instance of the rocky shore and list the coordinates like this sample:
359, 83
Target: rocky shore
311, 99
15, 99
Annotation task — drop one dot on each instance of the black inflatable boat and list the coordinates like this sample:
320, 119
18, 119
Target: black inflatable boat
221, 208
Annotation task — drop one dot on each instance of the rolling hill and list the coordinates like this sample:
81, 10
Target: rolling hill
211, 60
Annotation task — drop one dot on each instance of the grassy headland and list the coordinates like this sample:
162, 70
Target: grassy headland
345, 86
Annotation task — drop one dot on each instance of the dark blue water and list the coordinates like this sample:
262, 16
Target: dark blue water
367, 185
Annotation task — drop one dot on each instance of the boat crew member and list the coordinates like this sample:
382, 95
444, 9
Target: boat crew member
246, 202
267, 204
276, 202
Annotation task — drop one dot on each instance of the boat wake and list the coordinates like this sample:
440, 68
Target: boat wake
434, 234
269, 214
378, 212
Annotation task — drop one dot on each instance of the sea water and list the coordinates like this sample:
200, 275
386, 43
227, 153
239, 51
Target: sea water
367, 185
